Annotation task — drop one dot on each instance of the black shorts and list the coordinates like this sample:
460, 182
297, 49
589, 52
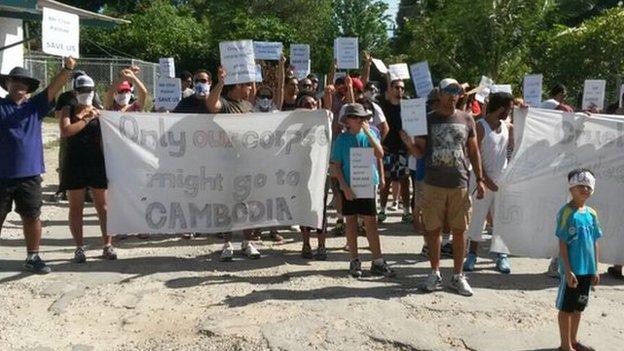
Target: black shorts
396, 166
574, 299
362, 207
25, 192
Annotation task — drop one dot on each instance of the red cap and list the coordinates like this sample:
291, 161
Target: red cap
124, 86
357, 84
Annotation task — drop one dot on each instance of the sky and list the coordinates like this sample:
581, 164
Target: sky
393, 7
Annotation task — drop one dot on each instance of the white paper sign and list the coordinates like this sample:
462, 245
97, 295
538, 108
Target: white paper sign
501, 88
300, 60
399, 71
533, 90
381, 66
594, 93
484, 88
266, 50
361, 178
180, 173
414, 116
168, 93
60, 33
237, 57
620, 96
347, 53
167, 67
259, 78
421, 76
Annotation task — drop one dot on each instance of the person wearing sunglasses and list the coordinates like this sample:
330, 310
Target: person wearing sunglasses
291, 93
315, 81
196, 102
186, 84
119, 94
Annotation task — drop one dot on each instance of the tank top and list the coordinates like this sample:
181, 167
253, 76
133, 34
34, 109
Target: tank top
494, 149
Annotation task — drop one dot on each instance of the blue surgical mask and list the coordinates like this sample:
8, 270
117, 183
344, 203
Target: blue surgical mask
202, 88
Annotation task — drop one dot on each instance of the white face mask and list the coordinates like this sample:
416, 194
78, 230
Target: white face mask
85, 99
202, 88
123, 99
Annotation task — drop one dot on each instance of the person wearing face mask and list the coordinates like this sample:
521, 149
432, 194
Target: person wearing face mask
186, 84
119, 93
196, 102
266, 101
79, 124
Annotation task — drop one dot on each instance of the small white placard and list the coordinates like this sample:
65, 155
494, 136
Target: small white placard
498, 88
421, 76
168, 93
381, 66
300, 60
399, 71
267, 50
594, 93
60, 33
237, 57
483, 90
533, 90
258, 74
414, 116
346, 52
167, 67
362, 161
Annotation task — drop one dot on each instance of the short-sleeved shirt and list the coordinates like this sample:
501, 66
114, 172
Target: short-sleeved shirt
341, 153
68, 98
393, 142
191, 104
446, 155
233, 106
579, 229
20, 136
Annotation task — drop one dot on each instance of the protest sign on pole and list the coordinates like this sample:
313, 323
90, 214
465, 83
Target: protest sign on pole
533, 90
421, 76
399, 71
300, 59
266, 50
167, 67
362, 164
60, 33
381, 66
414, 116
504, 88
168, 93
594, 93
180, 173
347, 53
237, 57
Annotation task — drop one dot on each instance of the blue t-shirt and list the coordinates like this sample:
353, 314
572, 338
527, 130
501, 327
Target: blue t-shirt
341, 153
20, 136
580, 230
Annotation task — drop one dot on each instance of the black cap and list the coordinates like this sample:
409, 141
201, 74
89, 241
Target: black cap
21, 73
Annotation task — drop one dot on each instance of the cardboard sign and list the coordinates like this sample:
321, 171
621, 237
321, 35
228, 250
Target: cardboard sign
421, 76
533, 90
60, 33
266, 50
504, 88
362, 161
167, 67
346, 52
168, 93
259, 78
594, 94
237, 57
399, 71
381, 66
300, 60
414, 116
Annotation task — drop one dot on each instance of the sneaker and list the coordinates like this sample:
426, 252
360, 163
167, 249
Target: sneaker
471, 260
553, 268
339, 229
227, 252
459, 283
433, 282
381, 217
393, 207
447, 250
382, 269
407, 218
502, 264
79, 255
108, 252
306, 252
36, 265
321, 254
355, 268
249, 250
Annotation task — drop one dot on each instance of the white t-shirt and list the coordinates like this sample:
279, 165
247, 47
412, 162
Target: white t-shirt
377, 118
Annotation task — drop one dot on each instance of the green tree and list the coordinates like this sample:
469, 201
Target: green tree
365, 19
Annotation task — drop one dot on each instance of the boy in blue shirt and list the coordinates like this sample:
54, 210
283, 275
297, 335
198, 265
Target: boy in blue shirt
358, 135
578, 230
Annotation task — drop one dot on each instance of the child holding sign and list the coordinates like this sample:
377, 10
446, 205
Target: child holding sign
352, 153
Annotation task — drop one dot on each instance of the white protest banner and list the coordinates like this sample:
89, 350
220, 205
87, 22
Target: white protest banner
501, 88
167, 67
535, 186
381, 66
168, 93
267, 50
347, 53
259, 78
60, 33
421, 76
594, 93
414, 116
180, 173
237, 57
620, 97
300, 60
362, 164
399, 71
532, 90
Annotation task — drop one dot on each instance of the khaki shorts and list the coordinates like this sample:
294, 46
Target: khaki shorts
450, 206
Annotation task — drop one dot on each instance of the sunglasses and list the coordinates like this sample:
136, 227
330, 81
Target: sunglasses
201, 80
315, 81
452, 90
307, 85
84, 90
265, 96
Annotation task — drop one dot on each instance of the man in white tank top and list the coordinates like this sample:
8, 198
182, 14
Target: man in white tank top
494, 135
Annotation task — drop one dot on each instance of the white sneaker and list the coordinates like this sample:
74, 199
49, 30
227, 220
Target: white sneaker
433, 282
553, 268
249, 250
460, 284
227, 252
